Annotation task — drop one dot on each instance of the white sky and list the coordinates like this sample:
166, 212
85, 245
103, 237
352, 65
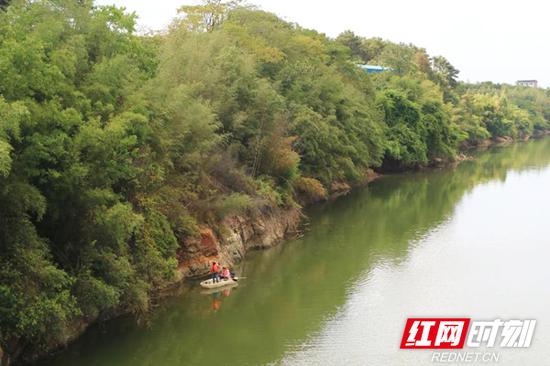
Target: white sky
497, 40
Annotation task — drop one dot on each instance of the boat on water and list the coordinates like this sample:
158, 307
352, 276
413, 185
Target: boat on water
209, 284
210, 291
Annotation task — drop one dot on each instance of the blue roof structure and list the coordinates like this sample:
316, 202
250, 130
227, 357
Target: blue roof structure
373, 69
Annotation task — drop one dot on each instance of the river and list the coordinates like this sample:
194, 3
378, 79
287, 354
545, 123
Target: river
471, 241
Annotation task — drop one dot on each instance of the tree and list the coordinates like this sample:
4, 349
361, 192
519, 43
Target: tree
355, 44
445, 73
206, 17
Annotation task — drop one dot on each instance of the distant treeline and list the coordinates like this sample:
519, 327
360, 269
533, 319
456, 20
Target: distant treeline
115, 147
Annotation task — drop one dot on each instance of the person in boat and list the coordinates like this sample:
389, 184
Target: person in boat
215, 271
225, 273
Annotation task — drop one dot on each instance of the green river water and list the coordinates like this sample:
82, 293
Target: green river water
471, 241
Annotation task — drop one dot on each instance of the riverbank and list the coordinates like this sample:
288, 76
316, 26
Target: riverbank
265, 228
237, 235
369, 259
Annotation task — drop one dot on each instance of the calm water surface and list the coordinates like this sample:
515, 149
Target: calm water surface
473, 241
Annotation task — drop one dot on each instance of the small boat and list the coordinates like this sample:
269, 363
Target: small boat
222, 283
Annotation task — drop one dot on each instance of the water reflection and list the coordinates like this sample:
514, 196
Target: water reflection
217, 295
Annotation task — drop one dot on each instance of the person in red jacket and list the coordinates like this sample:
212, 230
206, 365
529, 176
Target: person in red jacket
225, 273
215, 271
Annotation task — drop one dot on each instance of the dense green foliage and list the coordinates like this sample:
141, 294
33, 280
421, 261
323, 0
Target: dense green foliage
430, 114
115, 147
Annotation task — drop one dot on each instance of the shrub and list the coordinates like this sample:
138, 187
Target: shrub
310, 189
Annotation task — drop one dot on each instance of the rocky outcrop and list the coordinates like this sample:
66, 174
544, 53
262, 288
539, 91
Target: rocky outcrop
507, 139
235, 235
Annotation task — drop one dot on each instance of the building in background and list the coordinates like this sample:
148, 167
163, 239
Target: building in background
530, 83
373, 69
